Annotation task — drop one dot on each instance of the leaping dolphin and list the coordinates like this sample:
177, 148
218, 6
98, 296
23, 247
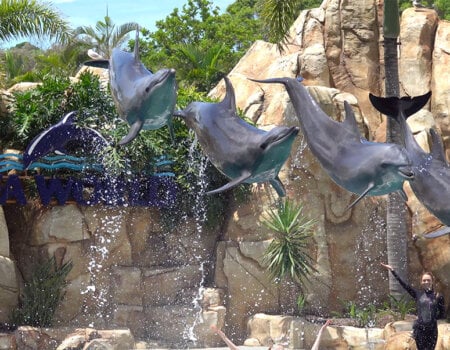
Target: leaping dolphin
359, 166
143, 99
431, 184
56, 137
242, 152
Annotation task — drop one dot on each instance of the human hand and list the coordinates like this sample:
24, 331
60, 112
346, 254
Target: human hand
387, 267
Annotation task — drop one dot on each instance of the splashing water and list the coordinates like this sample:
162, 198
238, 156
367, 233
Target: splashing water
198, 164
97, 291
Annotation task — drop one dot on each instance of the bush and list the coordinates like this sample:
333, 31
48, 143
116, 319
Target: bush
42, 295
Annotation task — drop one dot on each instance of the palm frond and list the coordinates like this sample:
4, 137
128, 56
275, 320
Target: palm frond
23, 18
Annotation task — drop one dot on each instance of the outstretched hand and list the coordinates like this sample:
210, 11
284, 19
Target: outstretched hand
387, 267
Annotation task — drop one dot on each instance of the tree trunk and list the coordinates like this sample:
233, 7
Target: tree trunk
396, 218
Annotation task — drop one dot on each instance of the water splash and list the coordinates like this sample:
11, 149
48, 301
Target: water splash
97, 292
198, 164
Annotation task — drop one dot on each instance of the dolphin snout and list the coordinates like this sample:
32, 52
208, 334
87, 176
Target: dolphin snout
407, 173
180, 113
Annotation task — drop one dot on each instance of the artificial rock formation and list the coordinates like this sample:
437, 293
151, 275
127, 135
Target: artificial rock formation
130, 271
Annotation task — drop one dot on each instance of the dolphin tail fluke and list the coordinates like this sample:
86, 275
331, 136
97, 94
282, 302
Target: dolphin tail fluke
394, 106
443, 231
134, 131
231, 184
386, 105
278, 186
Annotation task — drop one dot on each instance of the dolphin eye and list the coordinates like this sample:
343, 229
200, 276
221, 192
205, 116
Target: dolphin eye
147, 89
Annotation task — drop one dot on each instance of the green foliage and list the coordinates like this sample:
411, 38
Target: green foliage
278, 16
23, 18
287, 256
301, 302
441, 6
104, 36
38, 109
42, 295
34, 110
365, 316
400, 306
201, 44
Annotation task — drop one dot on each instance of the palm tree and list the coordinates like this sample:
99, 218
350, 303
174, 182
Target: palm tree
23, 18
396, 218
278, 16
104, 36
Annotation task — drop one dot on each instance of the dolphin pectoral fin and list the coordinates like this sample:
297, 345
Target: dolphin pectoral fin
278, 186
134, 130
443, 231
367, 190
403, 194
231, 184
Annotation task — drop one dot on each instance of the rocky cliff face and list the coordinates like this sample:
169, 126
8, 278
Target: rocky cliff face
149, 277
338, 50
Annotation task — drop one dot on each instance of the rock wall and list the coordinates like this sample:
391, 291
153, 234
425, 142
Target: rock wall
129, 271
338, 50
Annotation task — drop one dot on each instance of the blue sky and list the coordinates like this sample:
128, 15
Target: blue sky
144, 12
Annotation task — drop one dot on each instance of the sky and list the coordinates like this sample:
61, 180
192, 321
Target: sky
145, 12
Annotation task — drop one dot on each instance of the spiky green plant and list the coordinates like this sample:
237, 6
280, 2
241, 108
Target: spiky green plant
42, 295
287, 254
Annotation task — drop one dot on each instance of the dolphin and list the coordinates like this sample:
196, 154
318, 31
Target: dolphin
431, 184
359, 166
240, 151
58, 136
143, 99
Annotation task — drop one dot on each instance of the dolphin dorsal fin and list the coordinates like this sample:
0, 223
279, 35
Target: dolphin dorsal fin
437, 148
229, 101
350, 120
136, 45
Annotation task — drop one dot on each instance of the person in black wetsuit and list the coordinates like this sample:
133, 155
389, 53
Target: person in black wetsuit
430, 308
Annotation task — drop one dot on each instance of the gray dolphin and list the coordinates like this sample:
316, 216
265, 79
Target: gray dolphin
242, 152
359, 166
431, 183
143, 99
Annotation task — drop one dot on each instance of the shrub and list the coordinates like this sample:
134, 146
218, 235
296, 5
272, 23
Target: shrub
42, 295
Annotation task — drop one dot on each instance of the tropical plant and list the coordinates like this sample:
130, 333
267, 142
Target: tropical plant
278, 16
402, 306
104, 36
287, 254
42, 295
200, 43
24, 18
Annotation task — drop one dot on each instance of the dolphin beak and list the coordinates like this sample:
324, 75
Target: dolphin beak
407, 173
179, 113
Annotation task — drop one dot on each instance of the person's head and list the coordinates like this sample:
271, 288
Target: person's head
427, 281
